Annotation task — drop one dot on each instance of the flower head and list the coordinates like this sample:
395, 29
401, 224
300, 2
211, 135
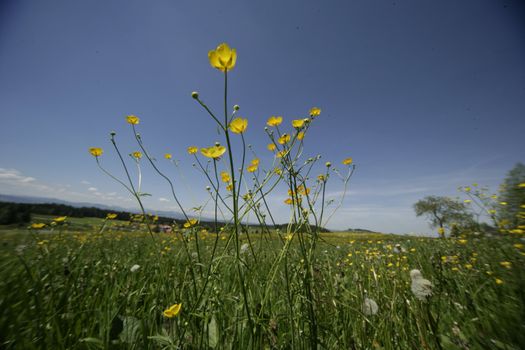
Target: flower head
172, 311
190, 223
300, 135
298, 123
96, 151
274, 121
60, 219
168, 156
223, 57
38, 226
111, 216
421, 287
192, 150
252, 168
132, 119
347, 161
225, 177
213, 152
137, 155
271, 147
314, 112
238, 125
369, 307
284, 139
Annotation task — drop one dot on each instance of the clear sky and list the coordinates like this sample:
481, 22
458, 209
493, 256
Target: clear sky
426, 96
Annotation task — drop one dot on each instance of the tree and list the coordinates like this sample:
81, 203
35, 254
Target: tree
512, 198
444, 212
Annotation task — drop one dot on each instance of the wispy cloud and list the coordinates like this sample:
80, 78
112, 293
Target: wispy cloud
12, 175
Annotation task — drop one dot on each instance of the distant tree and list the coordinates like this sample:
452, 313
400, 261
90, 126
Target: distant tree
444, 212
512, 198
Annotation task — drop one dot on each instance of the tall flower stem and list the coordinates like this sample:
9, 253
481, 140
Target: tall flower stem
235, 204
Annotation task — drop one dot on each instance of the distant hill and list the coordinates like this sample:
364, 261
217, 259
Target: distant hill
360, 230
44, 200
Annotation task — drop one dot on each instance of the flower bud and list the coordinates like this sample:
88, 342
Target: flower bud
112, 133
328, 164
236, 107
195, 95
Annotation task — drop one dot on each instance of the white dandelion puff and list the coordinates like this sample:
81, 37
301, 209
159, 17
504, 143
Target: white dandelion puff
370, 307
134, 268
422, 288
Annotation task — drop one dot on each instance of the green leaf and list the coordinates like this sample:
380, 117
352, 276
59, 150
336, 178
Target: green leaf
213, 334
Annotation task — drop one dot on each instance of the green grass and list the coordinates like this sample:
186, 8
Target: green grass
74, 290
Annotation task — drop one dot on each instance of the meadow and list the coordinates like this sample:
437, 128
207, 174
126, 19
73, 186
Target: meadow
78, 287
71, 283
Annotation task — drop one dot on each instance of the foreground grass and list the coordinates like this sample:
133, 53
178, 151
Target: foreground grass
75, 290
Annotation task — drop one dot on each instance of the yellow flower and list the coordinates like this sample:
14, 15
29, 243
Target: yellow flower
503, 203
38, 226
284, 139
168, 156
491, 211
111, 216
274, 121
300, 135
255, 161
441, 231
132, 119
213, 151
238, 125
298, 123
521, 185
506, 264
190, 223
467, 189
225, 177
229, 187
288, 201
462, 241
278, 171
347, 161
314, 112
303, 190
288, 237
252, 168
173, 310
271, 147
321, 178
192, 150
499, 281
467, 201
60, 219
518, 245
96, 151
281, 154
223, 58
136, 155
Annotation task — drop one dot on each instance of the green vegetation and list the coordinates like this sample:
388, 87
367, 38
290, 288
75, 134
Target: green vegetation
76, 290
513, 197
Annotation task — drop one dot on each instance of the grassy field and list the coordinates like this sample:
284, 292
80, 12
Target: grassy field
74, 288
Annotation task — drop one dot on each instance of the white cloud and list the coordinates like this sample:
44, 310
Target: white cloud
12, 175
92, 189
84, 182
162, 199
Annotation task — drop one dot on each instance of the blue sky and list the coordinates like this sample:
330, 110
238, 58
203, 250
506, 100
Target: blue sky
425, 96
